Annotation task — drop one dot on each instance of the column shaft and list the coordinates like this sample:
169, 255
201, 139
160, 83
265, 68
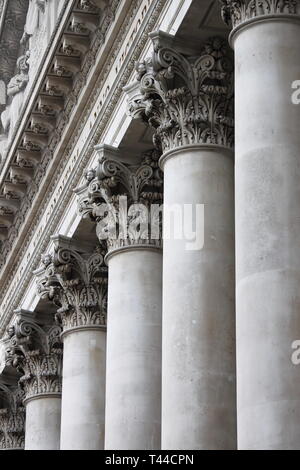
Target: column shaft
267, 233
77, 280
42, 429
133, 380
198, 347
83, 396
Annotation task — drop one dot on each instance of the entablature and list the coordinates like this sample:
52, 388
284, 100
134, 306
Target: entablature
52, 99
99, 106
89, 118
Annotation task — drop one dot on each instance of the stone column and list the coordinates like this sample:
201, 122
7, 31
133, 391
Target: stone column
12, 414
265, 39
76, 280
133, 387
36, 351
188, 103
133, 376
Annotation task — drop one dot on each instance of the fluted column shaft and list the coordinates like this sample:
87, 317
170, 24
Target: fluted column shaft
267, 194
133, 378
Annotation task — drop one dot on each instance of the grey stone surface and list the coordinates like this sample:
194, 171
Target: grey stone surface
267, 199
83, 394
133, 379
198, 355
42, 428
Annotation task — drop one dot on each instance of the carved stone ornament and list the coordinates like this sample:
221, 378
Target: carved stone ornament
186, 100
64, 80
13, 20
35, 350
76, 282
132, 195
235, 12
12, 416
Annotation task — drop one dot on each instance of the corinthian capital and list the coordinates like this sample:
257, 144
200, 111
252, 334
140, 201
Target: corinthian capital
35, 350
76, 281
186, 100
236, 12
12, 414
121, 199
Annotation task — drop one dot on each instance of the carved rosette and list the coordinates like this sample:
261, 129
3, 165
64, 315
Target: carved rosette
236, 12
12, 417
186, 100
35, 350
132, 194
77, 283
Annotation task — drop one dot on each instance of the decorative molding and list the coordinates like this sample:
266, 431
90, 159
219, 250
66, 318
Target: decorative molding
79, 51
76, 282
35, 350
109, 104
12, 416
140, 184
183, 99
236, 12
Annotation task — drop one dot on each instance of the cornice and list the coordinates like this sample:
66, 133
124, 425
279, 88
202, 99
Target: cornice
96, 133
50, 110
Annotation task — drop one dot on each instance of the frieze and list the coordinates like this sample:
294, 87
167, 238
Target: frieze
55, 86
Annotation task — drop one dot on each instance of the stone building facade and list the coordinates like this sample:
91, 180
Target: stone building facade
114, 332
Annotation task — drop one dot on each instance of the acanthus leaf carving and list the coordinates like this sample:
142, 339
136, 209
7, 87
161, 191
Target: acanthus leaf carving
35, 351
236, 12
76, 283
186, 100
114, 182
12, 415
